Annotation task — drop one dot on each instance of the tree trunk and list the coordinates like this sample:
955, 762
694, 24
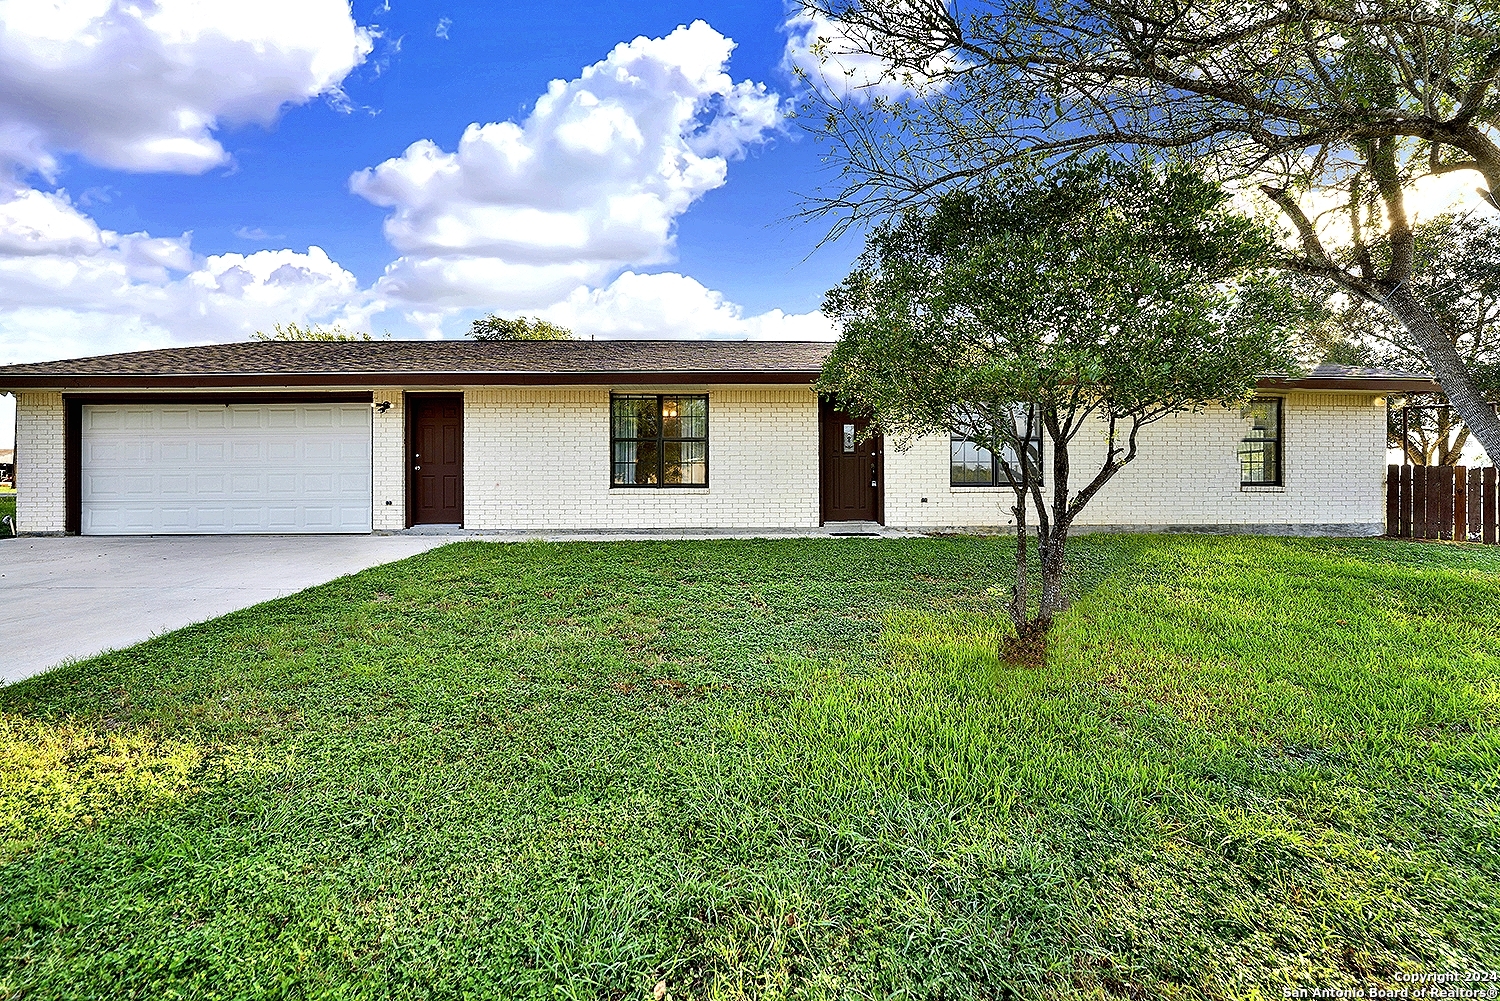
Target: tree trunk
1020, 596
1449, 368
1054, 570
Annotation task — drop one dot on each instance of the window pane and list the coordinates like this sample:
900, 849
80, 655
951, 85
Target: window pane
1264, 417
635, 462
1260, 451
686, 462
684, 416
1258, 462
635, 417
972, 465
1010, 466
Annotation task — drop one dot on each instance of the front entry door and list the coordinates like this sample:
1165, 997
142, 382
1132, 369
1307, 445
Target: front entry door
851, 469
437, 459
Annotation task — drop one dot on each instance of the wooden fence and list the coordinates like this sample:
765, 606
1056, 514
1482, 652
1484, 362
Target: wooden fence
1441, 502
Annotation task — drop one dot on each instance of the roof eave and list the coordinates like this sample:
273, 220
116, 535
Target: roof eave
346, 380
1363, 384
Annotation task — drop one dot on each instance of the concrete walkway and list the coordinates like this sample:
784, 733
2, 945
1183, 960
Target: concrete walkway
72, 597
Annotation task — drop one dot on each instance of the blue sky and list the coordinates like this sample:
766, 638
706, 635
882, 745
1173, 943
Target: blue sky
287, 185
177, 172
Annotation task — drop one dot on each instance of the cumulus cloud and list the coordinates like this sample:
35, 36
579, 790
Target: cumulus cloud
142, 87
827, 55
137, 291
673, 305
37, 222
591, 181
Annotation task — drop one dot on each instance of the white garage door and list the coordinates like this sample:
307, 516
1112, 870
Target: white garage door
199, 469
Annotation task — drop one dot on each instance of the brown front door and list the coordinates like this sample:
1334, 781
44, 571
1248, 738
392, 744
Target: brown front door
851, 469
437, 459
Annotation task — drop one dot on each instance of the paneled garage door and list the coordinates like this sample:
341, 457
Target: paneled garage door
204, 469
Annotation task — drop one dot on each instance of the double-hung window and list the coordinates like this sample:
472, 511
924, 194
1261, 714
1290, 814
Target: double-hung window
972, 464
658, 440
1260, 449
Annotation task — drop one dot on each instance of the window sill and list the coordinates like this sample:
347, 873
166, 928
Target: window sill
1251, 488
980, 490
687, 488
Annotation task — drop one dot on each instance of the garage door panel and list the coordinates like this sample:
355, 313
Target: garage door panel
237, 469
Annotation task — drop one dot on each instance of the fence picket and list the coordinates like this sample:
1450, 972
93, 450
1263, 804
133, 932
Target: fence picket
1406, 503
1491, 514
1443, 529
1419, 499
1393, 500
1460, 504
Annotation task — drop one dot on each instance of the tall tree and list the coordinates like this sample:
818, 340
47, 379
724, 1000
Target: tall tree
522, 328
1076, 311
1457, 269
1333, 108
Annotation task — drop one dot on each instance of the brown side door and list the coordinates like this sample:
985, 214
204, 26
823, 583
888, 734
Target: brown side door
436, 444
851, 468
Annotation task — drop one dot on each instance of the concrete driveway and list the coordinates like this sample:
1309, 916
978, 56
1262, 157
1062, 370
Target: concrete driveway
71, 597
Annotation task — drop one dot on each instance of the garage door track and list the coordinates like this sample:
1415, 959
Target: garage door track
70, 597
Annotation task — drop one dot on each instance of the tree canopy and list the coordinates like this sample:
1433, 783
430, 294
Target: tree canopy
1333, 110
522, 328
1457, 269
308, 332
1101, 299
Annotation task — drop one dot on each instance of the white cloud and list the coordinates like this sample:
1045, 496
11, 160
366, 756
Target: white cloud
591, 181
828, 56
35, 222
673, 305
142, 86
136, 291
444, 23
256, 235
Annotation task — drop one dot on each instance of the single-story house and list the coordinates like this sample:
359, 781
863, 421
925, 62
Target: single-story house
361, 436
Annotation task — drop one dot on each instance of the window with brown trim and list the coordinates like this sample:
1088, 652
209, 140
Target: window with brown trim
971, 464
658, 440
1260, 449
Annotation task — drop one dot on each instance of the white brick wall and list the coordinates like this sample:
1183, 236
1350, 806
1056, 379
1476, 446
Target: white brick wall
539, 459
39, 462
389, 456
1186, 473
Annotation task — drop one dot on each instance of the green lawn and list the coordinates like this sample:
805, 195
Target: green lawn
774, 769
7, 507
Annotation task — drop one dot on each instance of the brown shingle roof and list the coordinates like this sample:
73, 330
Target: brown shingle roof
372, 363
344, 363
1375, 380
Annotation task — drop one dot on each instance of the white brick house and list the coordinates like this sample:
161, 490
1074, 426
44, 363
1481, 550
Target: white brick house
615, 435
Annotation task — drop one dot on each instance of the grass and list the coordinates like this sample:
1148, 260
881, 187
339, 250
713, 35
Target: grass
787, 769
7, 507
